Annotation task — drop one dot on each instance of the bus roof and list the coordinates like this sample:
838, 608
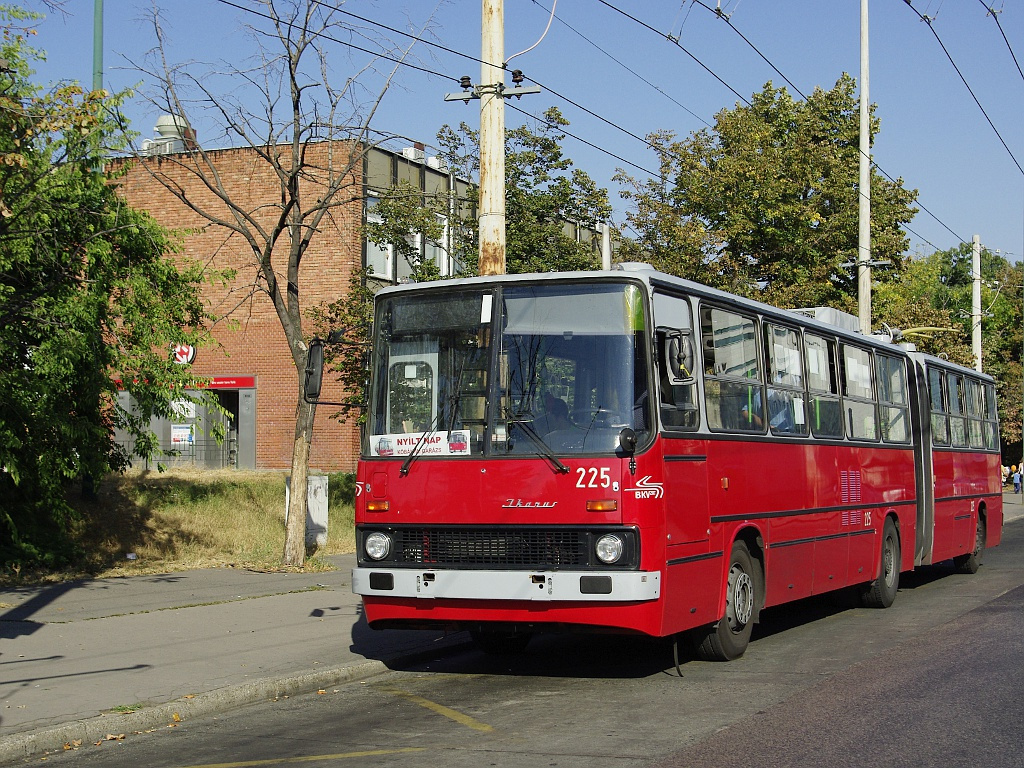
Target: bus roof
655, 279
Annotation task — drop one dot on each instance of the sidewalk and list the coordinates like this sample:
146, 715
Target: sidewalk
75, 657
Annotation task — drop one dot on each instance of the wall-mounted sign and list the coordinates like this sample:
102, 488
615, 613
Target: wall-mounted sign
184, 354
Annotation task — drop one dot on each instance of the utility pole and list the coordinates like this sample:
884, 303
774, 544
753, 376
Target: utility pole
492, 94
97, 45
492, 139
976, 302
864, 228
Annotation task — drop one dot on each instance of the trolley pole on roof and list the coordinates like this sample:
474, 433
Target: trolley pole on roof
864, 187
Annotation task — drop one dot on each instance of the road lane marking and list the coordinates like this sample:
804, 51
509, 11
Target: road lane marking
312, 758
440, 709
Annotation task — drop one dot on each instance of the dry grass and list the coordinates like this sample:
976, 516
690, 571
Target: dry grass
150, 522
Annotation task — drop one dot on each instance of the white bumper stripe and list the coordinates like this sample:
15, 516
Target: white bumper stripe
605, 586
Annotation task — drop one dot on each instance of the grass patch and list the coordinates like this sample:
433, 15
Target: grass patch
147, 522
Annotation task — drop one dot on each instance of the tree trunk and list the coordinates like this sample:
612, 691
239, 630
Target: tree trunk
295, 529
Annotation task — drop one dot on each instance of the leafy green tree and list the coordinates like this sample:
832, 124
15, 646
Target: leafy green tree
547, 199
90, 304
935, 292
765, 202
400, 215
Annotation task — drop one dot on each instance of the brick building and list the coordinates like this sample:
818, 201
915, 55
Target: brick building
249, 365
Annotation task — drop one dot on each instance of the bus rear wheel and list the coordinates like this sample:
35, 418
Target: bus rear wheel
972, 562
728, 638
881, 593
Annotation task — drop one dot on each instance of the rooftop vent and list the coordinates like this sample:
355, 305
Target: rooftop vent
174, 134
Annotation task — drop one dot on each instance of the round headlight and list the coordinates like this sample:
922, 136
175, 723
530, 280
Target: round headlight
609, 548
377, 545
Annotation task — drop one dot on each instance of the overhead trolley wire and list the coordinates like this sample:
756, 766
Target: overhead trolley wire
727, 19
349, 44
928, 20
717, 12
675, 41
456, 79
584, 141
995, 17
626, 67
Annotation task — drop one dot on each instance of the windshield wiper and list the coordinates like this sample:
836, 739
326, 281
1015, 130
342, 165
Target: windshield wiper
416, 448
453, 405
543, 449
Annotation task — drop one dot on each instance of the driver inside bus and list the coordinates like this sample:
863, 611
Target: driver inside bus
557, 414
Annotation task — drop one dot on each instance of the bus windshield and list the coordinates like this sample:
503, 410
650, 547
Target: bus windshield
569, 372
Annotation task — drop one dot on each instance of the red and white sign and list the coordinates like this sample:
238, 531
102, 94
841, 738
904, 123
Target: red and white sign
184, 354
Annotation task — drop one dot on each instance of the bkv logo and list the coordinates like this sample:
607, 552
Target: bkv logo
647, 489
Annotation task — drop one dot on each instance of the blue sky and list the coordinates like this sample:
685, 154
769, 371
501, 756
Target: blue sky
620, 74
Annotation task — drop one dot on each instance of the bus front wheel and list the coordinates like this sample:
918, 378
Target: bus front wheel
728, 639
882, 591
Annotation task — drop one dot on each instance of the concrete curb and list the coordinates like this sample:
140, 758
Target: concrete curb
19, 746
52, 739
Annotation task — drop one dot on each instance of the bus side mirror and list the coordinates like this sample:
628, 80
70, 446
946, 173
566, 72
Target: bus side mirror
314, 370
677, 355
627, 441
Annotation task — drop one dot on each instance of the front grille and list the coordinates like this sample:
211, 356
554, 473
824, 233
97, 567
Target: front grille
519, 548
499, 547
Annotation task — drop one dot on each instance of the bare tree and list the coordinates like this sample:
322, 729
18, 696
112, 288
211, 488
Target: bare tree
310, 132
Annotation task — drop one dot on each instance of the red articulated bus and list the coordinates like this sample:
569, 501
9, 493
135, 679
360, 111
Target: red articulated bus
627, 451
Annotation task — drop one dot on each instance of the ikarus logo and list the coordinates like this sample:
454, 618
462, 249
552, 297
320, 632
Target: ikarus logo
647, 489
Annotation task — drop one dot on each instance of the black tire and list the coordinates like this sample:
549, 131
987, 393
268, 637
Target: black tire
500, 642
882, 591
972, 562
728, 638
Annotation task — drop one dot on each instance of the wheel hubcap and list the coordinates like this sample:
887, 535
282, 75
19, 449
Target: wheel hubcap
890, 562
741, 598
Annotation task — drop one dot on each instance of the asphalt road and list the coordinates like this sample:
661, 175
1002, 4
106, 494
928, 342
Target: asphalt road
935, 680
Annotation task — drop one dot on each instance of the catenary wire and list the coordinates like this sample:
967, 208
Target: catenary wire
582, 140
922, 206
995, 17
455, 79
626, 67
928, 20
347, 44
443, 76
679, 45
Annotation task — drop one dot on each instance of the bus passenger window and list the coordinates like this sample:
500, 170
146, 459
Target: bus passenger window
786, 394
893, 399
732, 376
975, 411
858, 394
957, 410
991, 419
940, 421
825, 412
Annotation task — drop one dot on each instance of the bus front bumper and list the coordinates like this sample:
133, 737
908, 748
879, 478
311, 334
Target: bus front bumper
617, 586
